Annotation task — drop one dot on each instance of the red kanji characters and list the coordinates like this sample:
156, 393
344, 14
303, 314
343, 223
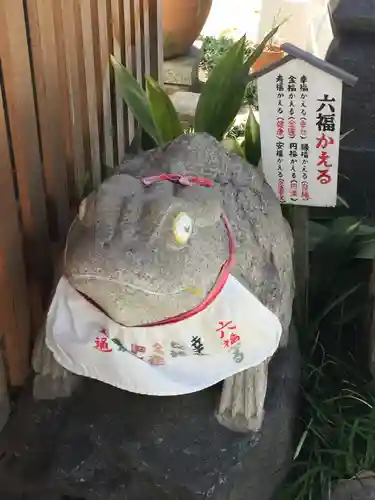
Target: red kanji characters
293, 192
305, 191
101, 343
233, 337
157, 359
323, 159
280, 128
281, 190
323, 141
138, 350
324, 177
225, 324
292, 128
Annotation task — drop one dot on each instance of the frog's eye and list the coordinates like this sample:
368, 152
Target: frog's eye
182, 228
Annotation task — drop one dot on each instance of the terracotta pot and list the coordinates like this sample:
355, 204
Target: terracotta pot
183, 21
268, 57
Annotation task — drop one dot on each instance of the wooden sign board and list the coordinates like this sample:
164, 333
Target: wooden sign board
299, 115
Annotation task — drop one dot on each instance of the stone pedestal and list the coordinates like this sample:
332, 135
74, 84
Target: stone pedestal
182, 73
353, 49
108, 444
362, 488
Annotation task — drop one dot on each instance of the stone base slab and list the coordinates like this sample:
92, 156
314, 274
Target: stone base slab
108, 444
183, 71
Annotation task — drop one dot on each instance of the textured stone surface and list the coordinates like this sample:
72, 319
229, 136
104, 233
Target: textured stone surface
353, 50
353, 17
356, 55
107, 444
360, 489
172, 89
112, 443
51, 379
184, 70
131, 220
121, 253
356, 184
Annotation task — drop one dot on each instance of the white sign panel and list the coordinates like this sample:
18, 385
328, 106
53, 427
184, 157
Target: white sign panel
299, 115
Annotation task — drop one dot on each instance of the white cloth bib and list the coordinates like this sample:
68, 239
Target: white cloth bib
233, 333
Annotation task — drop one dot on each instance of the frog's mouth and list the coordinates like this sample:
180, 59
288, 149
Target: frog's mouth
222, 276
217, 288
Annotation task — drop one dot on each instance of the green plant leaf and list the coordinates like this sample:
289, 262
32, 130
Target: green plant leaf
317, 232
223, 93
252, 144
333, 250
141, 142
366, 249
233, 146
366, 230
342, 202
330, 267
314, 325
136, 99
260, 48
163, 112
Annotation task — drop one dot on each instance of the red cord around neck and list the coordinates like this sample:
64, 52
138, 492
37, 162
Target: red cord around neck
226, 267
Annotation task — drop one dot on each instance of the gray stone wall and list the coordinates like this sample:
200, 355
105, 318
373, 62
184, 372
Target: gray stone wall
353, 49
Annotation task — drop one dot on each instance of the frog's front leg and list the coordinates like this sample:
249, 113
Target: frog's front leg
241, 407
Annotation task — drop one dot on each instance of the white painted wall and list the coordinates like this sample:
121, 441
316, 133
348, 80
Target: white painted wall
308, 25
296, 29
238, 16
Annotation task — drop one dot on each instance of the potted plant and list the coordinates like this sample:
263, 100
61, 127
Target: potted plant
183, 21
271, 53
218, 104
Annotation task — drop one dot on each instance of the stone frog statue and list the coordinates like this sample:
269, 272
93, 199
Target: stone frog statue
136, 234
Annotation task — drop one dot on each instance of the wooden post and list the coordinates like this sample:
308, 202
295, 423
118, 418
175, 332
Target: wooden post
23, 128
14, 303
300, 227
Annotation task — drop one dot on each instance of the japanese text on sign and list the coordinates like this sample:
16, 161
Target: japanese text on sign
325, 122
280, 124
299, 114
